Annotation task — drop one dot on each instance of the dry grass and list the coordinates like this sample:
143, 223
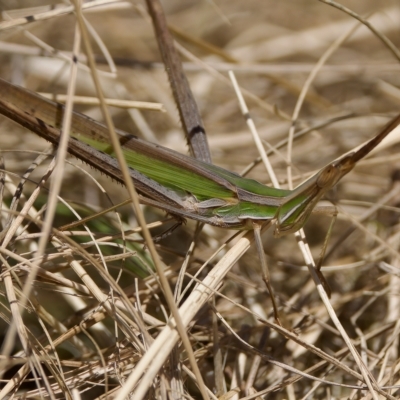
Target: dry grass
95, 316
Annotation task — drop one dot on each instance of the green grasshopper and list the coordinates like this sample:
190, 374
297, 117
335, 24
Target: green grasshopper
179, 184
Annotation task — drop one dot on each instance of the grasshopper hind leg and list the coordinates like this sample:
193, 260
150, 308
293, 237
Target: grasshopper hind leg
327, 237
264, 268
160, 236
